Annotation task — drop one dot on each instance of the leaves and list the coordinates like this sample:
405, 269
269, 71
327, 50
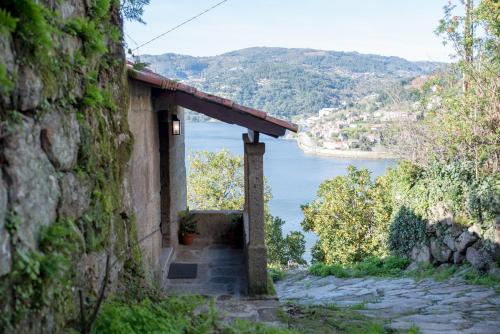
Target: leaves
349, 217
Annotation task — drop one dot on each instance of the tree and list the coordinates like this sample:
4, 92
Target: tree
133, 10
283, 251
215, 182
345, 218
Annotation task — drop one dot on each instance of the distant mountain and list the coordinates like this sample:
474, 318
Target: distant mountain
289, 82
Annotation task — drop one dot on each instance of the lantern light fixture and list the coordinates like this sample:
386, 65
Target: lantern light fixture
176, 125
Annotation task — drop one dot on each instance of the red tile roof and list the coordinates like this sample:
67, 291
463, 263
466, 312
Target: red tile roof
244, 116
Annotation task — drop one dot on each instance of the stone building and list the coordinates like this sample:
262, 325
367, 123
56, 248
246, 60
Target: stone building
156, 179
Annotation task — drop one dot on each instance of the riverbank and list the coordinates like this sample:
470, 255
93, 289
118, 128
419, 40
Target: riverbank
309, 147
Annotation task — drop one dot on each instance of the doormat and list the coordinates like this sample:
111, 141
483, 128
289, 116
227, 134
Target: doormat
182, 270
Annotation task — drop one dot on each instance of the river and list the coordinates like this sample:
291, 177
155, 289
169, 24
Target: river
294, 176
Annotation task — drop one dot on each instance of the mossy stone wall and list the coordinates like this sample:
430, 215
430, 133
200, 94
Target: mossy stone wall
64, 145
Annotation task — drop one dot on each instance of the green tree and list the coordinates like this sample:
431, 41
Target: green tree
132, 10
282, 251
215, 181
346, 220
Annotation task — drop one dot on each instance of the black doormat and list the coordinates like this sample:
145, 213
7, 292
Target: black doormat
183, 270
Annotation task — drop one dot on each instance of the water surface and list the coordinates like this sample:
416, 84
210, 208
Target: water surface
294, 176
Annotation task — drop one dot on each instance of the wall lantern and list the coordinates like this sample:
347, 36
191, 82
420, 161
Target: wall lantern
176, 125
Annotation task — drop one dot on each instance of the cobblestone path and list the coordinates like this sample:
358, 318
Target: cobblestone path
450, 306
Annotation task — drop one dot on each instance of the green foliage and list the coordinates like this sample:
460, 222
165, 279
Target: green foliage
290, 82
6, 82
42, 278
390, 266
473, 276
276, 274
283, 251
174, 314
347, 219
414, 329
7, 22
215, 181
132, 10
317, 253
240, 326
93, 38
323, 270
187, 222
406, 231
33, 28
100, 8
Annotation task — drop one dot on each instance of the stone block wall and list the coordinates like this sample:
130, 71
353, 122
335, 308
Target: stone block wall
143, 174
219, 226
64, 147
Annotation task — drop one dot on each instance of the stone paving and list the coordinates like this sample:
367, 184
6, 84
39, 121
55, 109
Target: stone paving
222, 276
451, 306
221, 270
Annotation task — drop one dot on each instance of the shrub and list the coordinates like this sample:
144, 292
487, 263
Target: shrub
406, 230
276, 274
321, 269
348, 219
390, 266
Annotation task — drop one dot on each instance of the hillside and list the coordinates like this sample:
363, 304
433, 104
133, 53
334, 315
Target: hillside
289, 82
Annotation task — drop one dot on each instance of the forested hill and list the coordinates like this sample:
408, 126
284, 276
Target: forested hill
288, 82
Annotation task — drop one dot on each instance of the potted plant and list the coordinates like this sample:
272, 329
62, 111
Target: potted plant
187, 226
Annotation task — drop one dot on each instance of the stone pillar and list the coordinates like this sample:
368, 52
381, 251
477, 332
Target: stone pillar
172, 171
177, 174
254, 207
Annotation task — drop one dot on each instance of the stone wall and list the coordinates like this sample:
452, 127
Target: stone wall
220, 226
177, 172
172, 169
64, 146
143, 174
448, 242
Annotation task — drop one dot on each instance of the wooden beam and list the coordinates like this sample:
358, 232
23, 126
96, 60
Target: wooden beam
228, 115
253, 136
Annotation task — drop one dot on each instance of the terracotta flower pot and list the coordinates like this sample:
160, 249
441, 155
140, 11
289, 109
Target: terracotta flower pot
187, 239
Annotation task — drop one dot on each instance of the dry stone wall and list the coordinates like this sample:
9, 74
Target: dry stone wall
449, 242
64, 146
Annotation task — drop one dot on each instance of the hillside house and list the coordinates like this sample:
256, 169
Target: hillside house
157, 182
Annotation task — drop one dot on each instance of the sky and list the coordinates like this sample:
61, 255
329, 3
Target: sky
403, 28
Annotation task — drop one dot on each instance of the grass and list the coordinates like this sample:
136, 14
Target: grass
196, 314
390, 266
171, 315
276, 273
320, 319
